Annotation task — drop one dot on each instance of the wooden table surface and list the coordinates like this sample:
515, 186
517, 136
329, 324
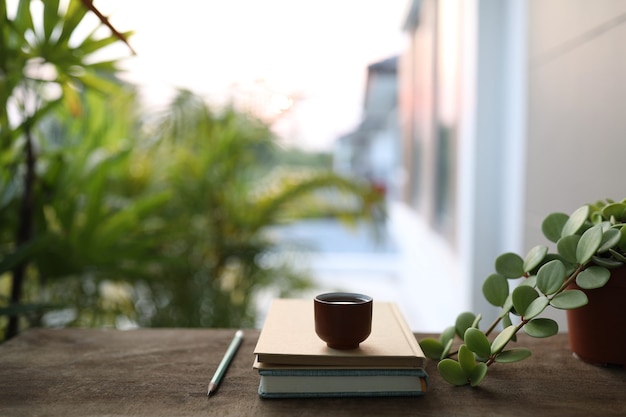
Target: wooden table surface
165, 372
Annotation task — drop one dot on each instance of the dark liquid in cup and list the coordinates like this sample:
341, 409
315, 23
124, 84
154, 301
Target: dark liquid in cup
343, 299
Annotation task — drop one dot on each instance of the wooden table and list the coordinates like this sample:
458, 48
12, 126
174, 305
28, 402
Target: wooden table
74, 372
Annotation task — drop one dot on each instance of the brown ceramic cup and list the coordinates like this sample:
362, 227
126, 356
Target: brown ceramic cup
343, 320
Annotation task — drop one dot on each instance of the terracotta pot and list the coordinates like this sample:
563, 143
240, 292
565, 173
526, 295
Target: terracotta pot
597, 331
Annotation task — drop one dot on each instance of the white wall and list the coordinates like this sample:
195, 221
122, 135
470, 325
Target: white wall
576, 123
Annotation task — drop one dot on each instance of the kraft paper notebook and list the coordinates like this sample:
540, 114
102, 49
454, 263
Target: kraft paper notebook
288, 337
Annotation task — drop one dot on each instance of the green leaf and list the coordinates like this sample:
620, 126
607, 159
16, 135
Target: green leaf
496, 289
477, 320
466, 359
502, 339
522, 297
569, 300
541, 327
463, 322
513, 355
536, 307
451, 372
553, 225
92, 44
507, 307
551, 277
71, 99
506, 322
615, 210
531, 281
593, 277
446, 349
576, 221
589, 243
23, 17
432, 348
478, 374
534, 257
74, 15
477, 342
607, 262
510, 265
24, 252
447, 335
98, 83
622, 242
610, 239
50, 16
596, 217
617, 255
566, 247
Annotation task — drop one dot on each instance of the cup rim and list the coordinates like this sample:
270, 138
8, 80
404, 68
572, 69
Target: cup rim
326, 298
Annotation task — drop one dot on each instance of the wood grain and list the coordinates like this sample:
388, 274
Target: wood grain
165, 372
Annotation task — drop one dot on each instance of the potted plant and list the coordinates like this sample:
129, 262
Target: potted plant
585, 275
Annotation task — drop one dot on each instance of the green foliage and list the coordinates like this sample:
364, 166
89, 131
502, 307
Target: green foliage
567, 246
541, 327
536, 307
477, 374
45, 62
463, 322
171, 229
464, 371
438, 349
477, 342
496, 289
589, 242
552, 226
513, 355
576, 221
569, 300
452, 372
593, 277
502, 339
510, 265
152, 220
432, 348
38, 61
551, 277
534, 258
466, 359
522, 297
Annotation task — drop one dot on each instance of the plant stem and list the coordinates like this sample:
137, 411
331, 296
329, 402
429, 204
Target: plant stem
24, 230
571, 278
492, 358
493, 326
523, 321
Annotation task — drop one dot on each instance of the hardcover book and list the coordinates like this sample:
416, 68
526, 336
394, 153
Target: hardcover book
284, 381
288, 337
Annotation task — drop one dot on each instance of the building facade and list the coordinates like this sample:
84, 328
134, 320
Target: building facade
372, 150
508, 110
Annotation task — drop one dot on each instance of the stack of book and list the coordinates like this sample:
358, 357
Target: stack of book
293, 362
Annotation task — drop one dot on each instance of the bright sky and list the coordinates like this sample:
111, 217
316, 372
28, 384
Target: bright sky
318, 49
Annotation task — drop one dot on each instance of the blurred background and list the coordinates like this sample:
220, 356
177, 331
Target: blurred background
246, 150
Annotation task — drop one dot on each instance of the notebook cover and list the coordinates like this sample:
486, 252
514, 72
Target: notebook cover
288, 337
